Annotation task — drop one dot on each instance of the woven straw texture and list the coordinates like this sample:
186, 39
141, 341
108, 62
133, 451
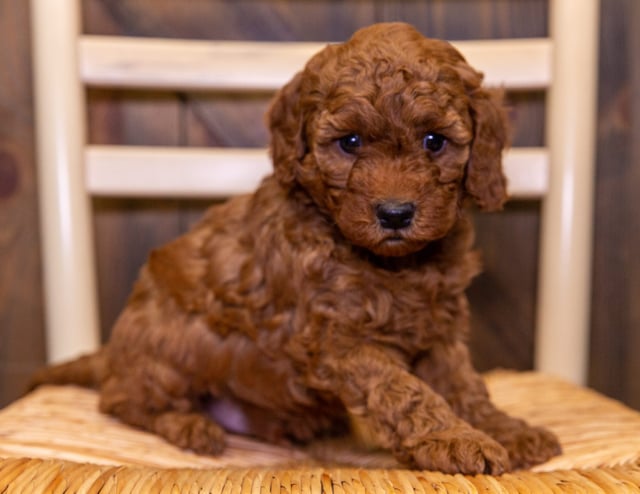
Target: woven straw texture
54, 440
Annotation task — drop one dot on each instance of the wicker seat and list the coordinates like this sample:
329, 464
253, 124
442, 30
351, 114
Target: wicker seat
54, 440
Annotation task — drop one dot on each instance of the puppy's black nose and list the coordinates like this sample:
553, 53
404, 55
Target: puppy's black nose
394, 215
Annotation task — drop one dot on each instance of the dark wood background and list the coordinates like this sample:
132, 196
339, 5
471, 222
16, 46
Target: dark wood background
503, 297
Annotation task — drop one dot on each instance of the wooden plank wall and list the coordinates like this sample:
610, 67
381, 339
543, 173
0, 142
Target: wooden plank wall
21, 308
503, 297
615, 364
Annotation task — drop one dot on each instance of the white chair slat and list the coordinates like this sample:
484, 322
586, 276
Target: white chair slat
249, 66
176, 172
222, 172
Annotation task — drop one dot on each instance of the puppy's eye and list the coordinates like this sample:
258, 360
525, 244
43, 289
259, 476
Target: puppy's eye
434, 142
350, 143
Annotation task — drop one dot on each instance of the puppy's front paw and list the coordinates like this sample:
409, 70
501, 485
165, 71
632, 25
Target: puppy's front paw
461, 450
191, 431
528, 446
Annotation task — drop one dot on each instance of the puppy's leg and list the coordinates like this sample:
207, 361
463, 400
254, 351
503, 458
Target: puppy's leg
407, 416
162, 406
448, 370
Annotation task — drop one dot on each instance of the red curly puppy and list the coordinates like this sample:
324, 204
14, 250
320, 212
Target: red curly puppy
337, 288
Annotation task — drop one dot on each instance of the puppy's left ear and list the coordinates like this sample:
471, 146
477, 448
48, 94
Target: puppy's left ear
285, 121
485, 181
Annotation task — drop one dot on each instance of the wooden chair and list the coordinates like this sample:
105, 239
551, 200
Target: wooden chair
70, 171
54, 439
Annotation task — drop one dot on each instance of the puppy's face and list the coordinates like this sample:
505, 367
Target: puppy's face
387, 155
389, 133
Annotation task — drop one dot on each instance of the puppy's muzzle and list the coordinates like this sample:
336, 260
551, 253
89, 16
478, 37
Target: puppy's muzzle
394, 215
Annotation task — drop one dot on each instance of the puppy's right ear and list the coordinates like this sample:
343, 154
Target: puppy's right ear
286, 124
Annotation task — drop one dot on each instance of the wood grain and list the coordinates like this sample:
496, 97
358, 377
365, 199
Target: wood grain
615, 343
21, 311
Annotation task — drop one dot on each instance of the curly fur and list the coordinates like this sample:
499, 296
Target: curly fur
296, 307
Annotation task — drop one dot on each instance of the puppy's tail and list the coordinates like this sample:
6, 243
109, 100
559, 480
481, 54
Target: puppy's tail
87, 371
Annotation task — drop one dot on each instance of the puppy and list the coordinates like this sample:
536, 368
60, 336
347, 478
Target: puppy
337, 288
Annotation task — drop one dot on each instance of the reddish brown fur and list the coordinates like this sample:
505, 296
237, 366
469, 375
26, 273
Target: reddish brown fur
296, 306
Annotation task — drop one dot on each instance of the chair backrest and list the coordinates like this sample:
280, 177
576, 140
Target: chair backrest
70, 171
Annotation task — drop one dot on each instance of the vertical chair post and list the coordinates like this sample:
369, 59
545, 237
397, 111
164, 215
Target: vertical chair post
65, 210
562, 333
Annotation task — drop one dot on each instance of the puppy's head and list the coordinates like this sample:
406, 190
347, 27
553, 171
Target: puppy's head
389, 133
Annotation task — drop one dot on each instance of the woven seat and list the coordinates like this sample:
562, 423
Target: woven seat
55, 440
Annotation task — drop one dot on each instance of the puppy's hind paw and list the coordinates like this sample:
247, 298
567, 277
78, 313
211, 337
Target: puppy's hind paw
191, 431
468, 452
